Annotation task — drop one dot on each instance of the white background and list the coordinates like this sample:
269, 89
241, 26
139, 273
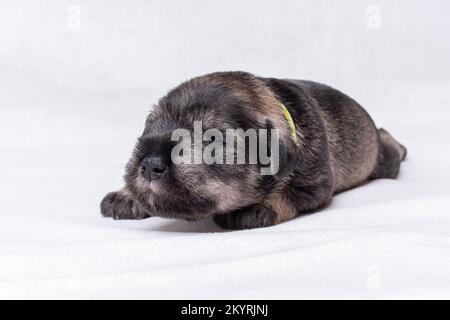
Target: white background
77, 79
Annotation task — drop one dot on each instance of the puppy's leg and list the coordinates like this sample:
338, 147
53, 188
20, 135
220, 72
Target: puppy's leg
257, 216
391, 154
282, 206
120, 205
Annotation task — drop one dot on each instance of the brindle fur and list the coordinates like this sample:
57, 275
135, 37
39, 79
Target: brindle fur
338, 148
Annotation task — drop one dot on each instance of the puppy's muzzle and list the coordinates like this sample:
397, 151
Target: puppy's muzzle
153, 168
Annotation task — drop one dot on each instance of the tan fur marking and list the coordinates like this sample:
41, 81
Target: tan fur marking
228, 195
283, 208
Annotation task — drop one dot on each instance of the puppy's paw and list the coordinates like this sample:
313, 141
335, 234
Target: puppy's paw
119, 205
247, 218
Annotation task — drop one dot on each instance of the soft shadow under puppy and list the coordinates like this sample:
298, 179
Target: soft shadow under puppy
198, 226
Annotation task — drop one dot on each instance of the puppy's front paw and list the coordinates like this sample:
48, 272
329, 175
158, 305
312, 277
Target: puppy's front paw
247, 218
119, 205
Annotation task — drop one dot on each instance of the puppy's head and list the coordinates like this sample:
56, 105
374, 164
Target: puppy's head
196, 188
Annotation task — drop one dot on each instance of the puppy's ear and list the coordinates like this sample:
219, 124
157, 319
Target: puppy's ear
286, 153
286, 159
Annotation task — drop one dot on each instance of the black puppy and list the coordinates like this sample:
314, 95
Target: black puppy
327, 144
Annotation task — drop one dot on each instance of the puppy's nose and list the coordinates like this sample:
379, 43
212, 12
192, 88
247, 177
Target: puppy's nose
153, 167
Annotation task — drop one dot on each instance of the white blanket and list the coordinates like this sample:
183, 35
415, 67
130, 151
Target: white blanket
74, 99
387, 239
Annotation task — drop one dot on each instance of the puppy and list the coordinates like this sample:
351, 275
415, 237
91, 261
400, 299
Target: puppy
327, 143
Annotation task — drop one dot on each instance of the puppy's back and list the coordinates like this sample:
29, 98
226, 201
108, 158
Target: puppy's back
351, 133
